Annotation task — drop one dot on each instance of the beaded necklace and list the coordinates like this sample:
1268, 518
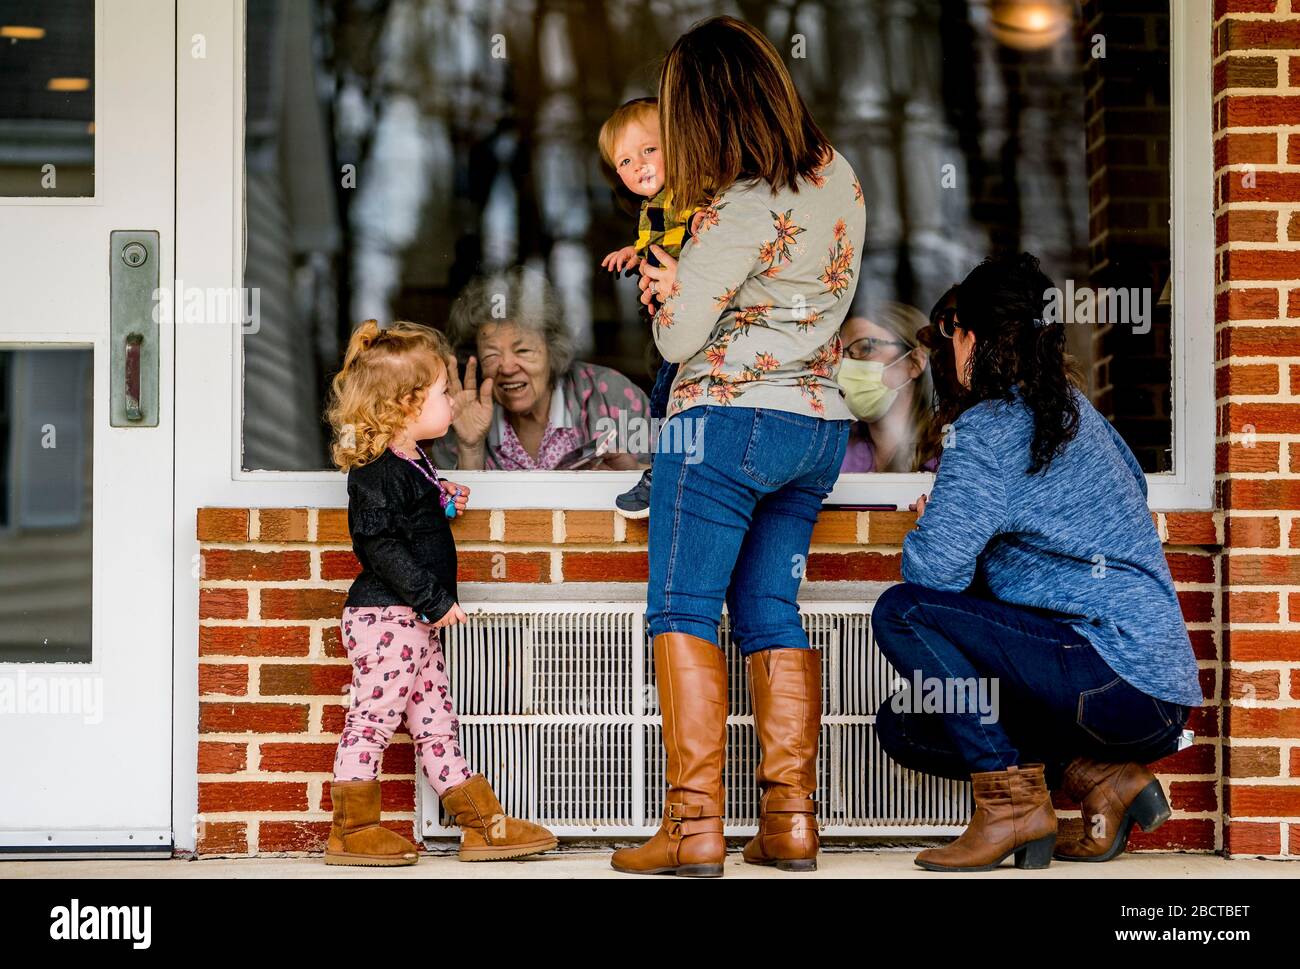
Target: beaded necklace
448, 502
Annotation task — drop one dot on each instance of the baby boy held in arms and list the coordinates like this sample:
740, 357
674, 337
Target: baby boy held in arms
630, 149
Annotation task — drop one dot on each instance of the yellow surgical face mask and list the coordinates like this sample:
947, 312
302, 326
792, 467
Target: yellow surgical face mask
864, 387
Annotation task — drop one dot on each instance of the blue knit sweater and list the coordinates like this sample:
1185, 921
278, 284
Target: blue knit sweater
1076, 538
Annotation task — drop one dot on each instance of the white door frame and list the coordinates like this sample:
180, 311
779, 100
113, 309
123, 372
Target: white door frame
209, 186
102, 780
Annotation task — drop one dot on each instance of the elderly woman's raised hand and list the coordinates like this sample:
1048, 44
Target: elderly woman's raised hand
471, 407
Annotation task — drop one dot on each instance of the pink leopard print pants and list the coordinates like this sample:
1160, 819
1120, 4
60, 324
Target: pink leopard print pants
398, 669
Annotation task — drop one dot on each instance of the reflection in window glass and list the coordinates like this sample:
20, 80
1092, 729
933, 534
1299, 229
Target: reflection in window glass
47, 98
398, 150
45, 505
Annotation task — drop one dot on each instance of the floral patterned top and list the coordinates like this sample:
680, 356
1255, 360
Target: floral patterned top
761, 291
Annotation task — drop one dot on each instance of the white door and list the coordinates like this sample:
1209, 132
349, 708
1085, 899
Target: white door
87, 182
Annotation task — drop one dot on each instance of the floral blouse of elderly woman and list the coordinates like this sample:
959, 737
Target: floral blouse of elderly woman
533, 392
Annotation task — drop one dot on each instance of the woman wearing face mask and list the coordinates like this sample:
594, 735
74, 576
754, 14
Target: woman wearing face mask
887, 384
1075, 643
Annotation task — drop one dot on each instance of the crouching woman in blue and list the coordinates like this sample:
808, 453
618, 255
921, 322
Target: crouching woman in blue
1034, 568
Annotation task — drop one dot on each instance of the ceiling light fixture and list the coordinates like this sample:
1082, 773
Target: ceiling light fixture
22, 33
1030, 24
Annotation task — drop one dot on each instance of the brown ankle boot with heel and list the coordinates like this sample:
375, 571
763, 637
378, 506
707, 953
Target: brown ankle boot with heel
785, 692
1111, 797
1013, 815
691, 677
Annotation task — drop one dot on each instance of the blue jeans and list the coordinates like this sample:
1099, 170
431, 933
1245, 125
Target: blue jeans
663, 386
731, 518
1056, 696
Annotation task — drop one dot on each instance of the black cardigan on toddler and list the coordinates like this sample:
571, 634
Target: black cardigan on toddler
402, 538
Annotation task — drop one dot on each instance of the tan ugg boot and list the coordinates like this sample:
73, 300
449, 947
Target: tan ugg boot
785, 692
691, 676
487, 832
356, 836
1013, 815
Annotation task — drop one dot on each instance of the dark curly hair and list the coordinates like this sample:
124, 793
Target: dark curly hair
943, 364
1018, 345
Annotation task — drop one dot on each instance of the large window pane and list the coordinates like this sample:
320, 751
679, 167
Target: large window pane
396, 150
47, 98
46, 423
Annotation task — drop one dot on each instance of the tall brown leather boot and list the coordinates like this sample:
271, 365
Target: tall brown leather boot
1013, 814
356, 836
785, 692
487, 832
691, 676
1111, 797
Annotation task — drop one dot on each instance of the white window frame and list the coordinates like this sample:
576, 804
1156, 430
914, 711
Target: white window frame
1188, 486
208, 392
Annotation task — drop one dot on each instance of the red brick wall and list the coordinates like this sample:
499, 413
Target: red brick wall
1257, 319
272, 675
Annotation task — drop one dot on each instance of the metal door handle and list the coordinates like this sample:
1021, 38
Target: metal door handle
132, 370
134, 314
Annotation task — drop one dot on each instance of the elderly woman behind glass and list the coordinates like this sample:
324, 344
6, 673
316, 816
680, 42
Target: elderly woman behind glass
535, 403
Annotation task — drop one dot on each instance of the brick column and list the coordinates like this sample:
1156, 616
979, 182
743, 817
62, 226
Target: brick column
1257, 321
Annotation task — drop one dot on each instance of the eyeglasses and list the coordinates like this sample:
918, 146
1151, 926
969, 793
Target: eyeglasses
948, 322
867, 347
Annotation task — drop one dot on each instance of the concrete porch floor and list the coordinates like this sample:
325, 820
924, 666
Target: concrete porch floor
595, 864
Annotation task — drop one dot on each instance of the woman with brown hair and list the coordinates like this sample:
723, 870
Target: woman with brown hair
755, 434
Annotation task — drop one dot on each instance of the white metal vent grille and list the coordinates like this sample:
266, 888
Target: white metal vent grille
558, 709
